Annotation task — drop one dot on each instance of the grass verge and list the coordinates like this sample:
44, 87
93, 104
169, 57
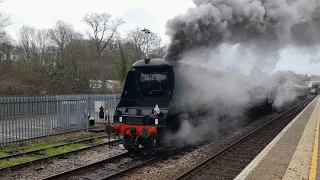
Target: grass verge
62, 149
13, 147
47, 152
3, 154
44, 145
25, 147
18, 160
78, 138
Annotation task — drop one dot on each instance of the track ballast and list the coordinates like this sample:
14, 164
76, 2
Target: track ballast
229, 162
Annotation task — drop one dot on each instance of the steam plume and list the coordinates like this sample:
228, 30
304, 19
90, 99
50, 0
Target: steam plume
260, 29
263, 26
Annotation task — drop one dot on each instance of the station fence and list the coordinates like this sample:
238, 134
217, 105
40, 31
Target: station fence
28, 117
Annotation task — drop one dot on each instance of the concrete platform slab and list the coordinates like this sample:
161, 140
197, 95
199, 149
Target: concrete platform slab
289, 155
301, 161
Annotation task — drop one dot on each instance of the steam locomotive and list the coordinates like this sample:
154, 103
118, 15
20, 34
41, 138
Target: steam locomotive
158, 91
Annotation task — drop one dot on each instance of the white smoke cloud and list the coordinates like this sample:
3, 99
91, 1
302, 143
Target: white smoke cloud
227, 96
264, 27
257, 30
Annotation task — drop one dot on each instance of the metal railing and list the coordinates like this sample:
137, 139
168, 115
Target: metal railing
27, 117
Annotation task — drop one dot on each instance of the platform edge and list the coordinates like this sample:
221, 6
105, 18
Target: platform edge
248, 169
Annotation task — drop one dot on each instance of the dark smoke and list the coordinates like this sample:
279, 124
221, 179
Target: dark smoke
260, 29
263, 26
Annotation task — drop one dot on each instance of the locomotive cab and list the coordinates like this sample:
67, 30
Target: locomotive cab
143, 108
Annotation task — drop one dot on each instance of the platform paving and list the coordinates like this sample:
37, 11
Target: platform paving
289, 155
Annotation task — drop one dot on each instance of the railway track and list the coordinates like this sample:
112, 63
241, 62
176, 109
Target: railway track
42, 158
38, 151
115, 167
120, 165
105, 169
229, 162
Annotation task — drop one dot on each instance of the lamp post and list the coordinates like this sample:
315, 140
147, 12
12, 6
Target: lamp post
147, 31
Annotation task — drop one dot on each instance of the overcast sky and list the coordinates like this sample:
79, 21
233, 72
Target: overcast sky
136, 13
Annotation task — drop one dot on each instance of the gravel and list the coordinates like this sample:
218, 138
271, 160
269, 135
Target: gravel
173, 167
59, 165
57, 137
166, 169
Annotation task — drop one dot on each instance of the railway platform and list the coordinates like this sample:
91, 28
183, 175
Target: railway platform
294, 153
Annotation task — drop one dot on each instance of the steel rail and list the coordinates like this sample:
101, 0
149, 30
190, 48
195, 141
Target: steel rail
18, 166
56, 146
200, 165
66, 173
124, 171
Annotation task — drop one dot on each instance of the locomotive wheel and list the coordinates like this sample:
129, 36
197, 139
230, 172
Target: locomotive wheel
134, 151
131, 150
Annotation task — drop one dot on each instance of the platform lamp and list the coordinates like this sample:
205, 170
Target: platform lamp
147, 31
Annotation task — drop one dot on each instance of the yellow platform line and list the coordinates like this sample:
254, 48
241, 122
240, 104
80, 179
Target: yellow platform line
313, 168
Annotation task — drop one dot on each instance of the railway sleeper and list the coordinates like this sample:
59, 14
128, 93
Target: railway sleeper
247, 150
264, 139
97, 174
92, 177
244, 158
220, 173
228, 170
255, 145
229, 166
293, 113
237, 156
205, 177
222, 166
106, 171
242, 152
250, 150
112, 166
252, 145
215, 176
237, 160
232, 166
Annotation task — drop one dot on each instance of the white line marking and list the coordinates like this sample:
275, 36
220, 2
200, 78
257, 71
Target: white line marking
244, 173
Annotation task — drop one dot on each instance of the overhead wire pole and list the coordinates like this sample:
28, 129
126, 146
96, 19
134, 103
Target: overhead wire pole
147, 31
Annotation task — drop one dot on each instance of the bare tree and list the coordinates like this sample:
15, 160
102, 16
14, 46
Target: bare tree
5, 40
121, 61
103, 30
34, 45
6, 47
27, 41
61, 35
5, 21
139, 39
159, 51
43, 43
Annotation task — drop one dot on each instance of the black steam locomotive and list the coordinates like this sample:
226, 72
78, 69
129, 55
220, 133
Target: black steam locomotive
158, 91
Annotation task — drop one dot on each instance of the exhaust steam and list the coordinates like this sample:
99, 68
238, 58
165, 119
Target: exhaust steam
255, 31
